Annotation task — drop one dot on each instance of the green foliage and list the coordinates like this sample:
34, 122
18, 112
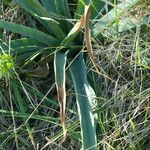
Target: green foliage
29, 32
85, 100
56, 33
6, 64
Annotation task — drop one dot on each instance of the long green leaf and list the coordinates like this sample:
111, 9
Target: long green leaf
26, 115
29, 32
36, 9
84, 96
59, 67
18, 43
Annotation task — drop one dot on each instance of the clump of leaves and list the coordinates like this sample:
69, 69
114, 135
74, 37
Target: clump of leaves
6, 64
60, 38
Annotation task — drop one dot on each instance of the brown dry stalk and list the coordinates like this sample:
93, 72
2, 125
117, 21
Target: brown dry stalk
61, 96
88, 41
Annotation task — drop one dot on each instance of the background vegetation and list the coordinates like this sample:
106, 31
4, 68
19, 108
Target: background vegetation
29, 110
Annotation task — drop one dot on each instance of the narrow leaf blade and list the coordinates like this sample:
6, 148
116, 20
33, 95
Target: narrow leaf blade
59, 67
36, 9
85, 97
29, 32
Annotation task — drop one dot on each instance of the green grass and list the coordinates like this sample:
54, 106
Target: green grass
29, 110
